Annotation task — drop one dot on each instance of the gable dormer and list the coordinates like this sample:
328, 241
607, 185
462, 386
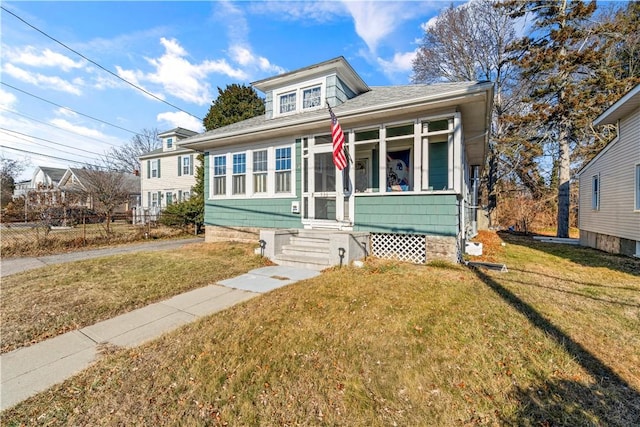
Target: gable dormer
171, 137
310, 88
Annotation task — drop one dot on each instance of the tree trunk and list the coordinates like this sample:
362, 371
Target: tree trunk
564, 175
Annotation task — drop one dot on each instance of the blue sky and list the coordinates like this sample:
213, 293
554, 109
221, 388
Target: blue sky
179, 51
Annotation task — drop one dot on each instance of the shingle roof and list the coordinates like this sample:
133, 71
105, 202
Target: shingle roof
376, 98
55, 174
161, 152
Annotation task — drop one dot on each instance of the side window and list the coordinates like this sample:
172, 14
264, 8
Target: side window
283, 170
260, 171
595, 192
219, 175
239, 173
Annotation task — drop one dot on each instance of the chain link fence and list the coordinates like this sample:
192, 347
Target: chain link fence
53, 233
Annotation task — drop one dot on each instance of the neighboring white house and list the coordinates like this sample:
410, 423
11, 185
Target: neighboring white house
76, 184
168, 173
609, 207
43, 186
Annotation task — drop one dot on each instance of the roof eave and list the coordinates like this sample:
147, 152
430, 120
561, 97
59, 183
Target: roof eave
267, 130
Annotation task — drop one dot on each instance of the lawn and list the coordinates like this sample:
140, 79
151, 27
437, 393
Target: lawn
554, 341
64, 297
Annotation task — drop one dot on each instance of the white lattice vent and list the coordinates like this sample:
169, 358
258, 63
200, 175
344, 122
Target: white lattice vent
403, 247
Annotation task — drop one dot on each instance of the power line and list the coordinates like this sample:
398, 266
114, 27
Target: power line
26, 116
67, 108
46, 140
43, 155
100, 66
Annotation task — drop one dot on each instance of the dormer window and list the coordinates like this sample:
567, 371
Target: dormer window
288, 103
311, 97
299, 99
169, 142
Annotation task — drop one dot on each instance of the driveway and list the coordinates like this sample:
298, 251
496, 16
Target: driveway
18, 265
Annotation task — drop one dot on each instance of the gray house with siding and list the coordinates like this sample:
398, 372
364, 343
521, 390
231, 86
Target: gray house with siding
609, 203
414, 154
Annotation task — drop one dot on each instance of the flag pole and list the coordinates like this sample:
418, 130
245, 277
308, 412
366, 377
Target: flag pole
344, 146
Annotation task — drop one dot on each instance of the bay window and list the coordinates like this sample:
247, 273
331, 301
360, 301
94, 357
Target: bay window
219, 175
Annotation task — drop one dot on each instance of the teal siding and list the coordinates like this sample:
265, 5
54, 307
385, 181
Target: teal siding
438, 166
267, 213
432, 214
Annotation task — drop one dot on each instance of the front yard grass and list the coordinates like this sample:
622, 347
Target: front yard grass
46, 302
552, 342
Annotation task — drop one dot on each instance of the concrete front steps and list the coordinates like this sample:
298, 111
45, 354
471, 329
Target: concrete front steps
308, 249
313, 249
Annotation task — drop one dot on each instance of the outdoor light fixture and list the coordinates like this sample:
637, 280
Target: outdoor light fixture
263, 244
341, 252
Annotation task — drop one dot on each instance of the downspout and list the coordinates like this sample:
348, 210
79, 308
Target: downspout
474, 199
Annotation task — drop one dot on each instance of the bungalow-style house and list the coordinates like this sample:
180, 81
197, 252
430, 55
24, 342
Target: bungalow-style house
167, 174
413, 154
609, 201
77, 186
42, 189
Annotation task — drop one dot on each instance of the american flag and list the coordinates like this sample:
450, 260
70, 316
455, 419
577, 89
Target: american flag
339, 159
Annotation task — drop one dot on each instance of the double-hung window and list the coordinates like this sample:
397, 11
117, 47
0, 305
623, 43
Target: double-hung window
283, 170
260, 171
169, 142
311, 97
186, 165
288, 102
154, 166
595, 192
219, 175
239, 173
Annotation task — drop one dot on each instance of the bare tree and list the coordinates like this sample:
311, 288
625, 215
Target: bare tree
106, 190
125, 157
468, 43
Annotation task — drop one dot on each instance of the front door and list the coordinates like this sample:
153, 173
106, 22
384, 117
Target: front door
326, 203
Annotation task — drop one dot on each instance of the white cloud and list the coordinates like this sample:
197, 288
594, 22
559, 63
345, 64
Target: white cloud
80, 130
375, 20
42, 81
179, 77
7, 99
180, 119
245, 57
402, 62
46, 58
315, 11
65, 113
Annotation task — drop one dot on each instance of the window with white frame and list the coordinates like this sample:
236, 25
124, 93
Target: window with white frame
271, 171
595, 192
219, 175
288, 102
296, 99
239, 173
155, 168
169, 198
154, 199
260, 162
311, 97
169, 142
186, 165
185, 195
283, 170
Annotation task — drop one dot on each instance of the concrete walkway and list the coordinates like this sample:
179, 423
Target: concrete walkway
18, 265
30, 370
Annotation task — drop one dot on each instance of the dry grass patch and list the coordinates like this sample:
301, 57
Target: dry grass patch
390, 344
43, 303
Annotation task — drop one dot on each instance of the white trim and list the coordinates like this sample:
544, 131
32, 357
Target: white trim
636, 182
298, 91
271, 173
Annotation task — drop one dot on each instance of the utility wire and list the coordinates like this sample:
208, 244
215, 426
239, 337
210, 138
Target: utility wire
100, 66
67, 108
43, 155
47, 140
45, 146
26, 116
